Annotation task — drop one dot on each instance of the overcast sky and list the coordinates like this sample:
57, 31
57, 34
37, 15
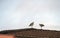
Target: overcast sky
18, 14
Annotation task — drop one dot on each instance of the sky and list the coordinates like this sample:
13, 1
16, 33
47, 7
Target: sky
18, 14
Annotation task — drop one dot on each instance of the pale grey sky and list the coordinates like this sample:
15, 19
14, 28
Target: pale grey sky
18, 14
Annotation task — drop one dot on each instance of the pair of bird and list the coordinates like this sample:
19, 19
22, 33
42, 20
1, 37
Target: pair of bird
31, 24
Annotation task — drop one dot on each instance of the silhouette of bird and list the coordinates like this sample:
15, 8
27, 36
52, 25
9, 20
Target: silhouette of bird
41, 25
31, 24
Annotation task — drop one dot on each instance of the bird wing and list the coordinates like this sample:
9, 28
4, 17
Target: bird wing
31, 24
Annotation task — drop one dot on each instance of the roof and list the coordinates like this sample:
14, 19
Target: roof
26, 29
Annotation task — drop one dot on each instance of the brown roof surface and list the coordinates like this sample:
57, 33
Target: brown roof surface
26, 29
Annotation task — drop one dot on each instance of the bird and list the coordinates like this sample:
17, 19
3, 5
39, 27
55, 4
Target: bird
31, 24
41, 25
